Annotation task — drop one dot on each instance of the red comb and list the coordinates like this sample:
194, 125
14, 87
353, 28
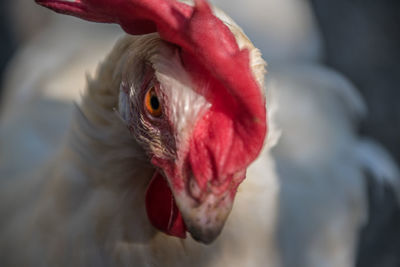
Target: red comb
208, 47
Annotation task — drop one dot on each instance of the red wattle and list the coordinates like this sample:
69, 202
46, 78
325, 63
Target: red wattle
161, 208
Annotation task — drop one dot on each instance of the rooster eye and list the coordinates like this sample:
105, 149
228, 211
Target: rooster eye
152, 104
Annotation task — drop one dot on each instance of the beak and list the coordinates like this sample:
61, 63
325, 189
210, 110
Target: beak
206, 209
205, 219
201, 210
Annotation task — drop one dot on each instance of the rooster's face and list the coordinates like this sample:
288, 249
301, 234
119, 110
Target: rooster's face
169, 115
192, 97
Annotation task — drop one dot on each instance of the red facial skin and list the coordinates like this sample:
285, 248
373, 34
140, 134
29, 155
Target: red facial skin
231, 133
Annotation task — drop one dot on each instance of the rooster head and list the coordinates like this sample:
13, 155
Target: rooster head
197, 106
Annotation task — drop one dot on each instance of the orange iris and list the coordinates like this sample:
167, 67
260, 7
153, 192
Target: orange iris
152, 103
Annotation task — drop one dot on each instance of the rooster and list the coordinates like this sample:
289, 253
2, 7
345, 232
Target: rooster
158, 147
143, 175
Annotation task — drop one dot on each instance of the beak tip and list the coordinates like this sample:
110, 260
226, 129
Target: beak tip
205, 219
205, 235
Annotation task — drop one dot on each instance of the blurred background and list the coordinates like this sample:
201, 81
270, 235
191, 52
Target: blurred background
360, 39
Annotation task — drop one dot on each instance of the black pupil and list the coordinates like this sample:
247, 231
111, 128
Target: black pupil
154, 102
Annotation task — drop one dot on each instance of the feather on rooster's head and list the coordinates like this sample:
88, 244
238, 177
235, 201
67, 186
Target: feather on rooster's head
197, 107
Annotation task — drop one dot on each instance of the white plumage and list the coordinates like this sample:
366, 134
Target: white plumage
302, 205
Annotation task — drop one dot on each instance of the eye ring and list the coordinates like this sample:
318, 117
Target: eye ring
152, 103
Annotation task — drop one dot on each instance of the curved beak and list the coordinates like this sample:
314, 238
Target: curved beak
202, 210
206, 209
204, 219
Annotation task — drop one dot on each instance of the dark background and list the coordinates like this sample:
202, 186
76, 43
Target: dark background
7, 41
361, 40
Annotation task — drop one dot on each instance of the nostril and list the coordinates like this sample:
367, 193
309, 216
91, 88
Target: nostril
194, 189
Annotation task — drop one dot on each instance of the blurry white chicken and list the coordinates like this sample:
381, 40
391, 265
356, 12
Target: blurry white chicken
70, 200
